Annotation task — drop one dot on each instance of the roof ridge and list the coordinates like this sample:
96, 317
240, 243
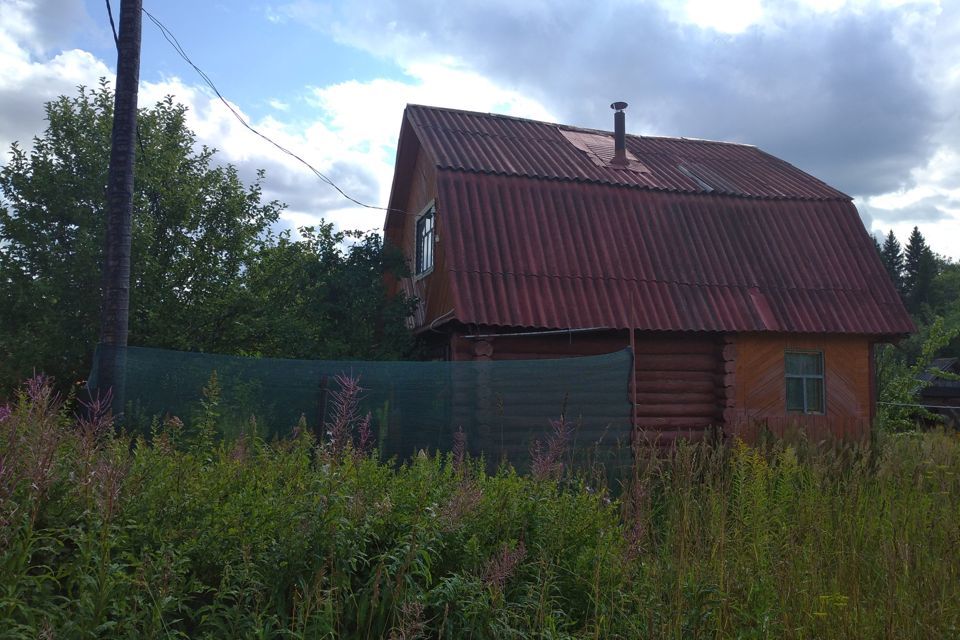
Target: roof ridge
569, 127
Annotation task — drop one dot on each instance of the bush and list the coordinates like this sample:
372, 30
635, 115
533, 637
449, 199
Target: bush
196, 536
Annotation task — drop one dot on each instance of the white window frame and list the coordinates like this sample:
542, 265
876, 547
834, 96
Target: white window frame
419, 251
822, 377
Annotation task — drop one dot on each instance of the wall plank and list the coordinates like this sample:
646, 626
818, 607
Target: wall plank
760, 385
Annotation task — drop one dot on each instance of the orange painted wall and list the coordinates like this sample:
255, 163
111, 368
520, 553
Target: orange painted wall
759, 386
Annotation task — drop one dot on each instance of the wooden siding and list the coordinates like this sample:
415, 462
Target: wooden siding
432, 290
759, 386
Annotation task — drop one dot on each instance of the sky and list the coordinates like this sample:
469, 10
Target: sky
863, 94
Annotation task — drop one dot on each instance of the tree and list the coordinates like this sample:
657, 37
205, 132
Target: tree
323, 297
899, 383
208, 273
892, 256
920, 270
195, 227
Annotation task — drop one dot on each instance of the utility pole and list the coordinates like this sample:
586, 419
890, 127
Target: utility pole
115, 309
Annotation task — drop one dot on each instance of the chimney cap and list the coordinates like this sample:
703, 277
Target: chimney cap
618, 106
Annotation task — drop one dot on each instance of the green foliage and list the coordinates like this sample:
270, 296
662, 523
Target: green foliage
892, 256
899, 383
208, 274
919, 271
322, 297
195, 228
104, 537
929, 286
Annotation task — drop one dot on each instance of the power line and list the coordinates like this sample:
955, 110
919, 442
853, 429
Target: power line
116, 39
172, 40
925, 406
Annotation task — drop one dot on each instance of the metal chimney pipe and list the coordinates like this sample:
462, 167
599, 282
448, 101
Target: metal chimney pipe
619, 133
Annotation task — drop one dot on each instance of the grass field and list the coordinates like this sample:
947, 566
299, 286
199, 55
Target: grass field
191, 536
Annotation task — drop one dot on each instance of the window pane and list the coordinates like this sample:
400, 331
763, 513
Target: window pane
794, 394
424, 240
814, 395
419, 241
804, 364
427, 251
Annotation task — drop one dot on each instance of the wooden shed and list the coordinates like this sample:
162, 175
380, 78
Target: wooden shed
750, 291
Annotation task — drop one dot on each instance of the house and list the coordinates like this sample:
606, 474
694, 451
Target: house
940, 393
750, 292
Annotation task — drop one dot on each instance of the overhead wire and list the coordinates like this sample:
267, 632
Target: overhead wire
113, 26
172, 40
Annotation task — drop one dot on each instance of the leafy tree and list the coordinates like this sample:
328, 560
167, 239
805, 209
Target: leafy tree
323, 297
945, 289
899, 384
920, 269
207, 273
892, 256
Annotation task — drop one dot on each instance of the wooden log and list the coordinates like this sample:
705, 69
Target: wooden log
677, 421
675, 346
644, 375
667, 438
677, 398
678, 410
729, 352
676, 386
677, 362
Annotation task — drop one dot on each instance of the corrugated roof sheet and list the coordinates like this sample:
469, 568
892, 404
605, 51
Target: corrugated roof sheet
504, 145
535, 234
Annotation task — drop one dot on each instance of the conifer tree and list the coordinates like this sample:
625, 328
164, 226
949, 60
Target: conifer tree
919, 271
892, 256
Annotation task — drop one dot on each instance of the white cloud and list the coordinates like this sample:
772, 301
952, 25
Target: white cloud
29, 76
858, 92
861, 94
365, 117
732, 16
933, 204
351, 137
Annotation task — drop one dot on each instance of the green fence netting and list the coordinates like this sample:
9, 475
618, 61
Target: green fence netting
502, 407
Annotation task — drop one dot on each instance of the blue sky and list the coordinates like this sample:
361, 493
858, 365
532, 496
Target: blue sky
255, 54
864, 94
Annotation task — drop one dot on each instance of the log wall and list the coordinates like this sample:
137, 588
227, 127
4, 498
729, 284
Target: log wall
679, 378
679, 382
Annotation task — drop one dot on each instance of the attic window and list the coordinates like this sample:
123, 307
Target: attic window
425, 239
599, 148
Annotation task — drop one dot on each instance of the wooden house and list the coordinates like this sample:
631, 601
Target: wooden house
750, 291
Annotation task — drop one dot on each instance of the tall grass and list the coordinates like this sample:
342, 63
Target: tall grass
193, 536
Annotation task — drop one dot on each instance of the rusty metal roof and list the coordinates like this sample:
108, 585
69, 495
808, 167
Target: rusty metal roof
537, 234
